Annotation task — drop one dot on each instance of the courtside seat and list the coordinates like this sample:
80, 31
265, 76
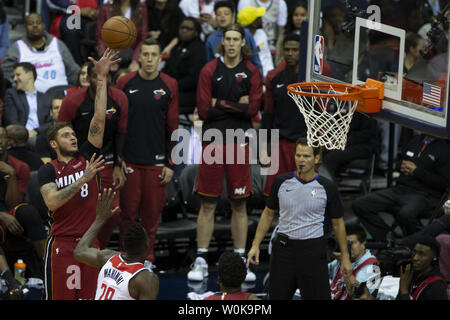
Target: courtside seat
361, 170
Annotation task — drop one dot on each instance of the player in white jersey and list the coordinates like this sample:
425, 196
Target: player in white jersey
122, 276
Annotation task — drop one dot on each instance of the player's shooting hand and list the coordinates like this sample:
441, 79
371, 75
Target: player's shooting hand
119, 177
253, 256
11, 223
166, 175
103, 65
104, 203
92, 167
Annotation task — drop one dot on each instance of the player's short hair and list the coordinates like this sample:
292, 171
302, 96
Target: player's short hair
231, 270
304, 142
291, 37
152, 42
357, 230
18, 133
53, 130
135, 240
27, 67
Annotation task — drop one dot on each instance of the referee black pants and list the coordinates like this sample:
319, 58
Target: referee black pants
299, 264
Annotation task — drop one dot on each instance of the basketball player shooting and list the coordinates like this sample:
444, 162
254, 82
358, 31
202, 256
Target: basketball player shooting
70, 191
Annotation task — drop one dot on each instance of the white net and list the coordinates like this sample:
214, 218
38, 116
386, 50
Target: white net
327, 118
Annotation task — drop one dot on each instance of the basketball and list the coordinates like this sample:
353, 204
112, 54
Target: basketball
119, 33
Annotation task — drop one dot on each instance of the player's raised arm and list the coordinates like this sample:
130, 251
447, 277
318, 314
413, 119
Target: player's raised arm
97, 125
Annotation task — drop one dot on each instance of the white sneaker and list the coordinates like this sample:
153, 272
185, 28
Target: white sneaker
250, 276
199, 270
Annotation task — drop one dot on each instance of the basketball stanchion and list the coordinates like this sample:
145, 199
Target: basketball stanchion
328, 108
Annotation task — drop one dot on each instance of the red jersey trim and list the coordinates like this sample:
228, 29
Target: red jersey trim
118, 263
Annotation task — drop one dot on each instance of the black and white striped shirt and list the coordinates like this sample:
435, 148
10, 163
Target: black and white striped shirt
305, 207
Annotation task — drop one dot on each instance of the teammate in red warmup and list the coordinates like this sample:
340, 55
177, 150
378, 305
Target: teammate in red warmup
122, 276
231, 273
70, 192
152, 117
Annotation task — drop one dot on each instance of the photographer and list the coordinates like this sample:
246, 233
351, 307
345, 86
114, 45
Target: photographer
422, 279
365, 279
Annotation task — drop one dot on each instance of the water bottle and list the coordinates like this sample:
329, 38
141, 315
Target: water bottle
19, 271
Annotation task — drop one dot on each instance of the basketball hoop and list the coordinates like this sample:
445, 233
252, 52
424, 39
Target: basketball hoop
328, 108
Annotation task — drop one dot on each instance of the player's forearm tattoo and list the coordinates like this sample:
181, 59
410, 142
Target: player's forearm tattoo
62, 194
94, 129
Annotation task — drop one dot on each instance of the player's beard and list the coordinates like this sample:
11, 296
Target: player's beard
67, 153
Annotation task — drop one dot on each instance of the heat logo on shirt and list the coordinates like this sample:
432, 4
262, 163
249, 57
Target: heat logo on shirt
68, 180
239, 76
159, 93
110, 112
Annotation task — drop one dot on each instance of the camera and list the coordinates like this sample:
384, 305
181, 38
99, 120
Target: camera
392, 259
358, 290
436, 41
350, 16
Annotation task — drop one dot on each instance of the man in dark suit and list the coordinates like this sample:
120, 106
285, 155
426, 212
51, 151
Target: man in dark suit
25, 105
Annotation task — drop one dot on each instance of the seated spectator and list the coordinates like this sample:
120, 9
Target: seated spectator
296, 15
42, 147
362, 143
26, 105
422, 280
72, 35
365, 273
135, 11
4, 31
273, 21
251, 18
185, 62
413, 44
17, 219
54, 63
164, 17
82, 79
231, 272
225, 16
423, 180
203, 11
18, 146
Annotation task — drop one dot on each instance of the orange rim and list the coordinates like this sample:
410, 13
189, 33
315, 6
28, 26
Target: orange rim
345, 91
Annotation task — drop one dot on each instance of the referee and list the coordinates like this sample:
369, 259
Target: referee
305, 202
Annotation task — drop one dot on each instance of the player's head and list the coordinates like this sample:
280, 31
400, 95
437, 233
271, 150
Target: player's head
306, 158
189, 29
150, 56
34, 26
291, 50
83, 79
62, 139
231, 271
55, 106
3, 141
224, 11
356, 235
24, 75
233, 43
135, 242
17, 135
425, 254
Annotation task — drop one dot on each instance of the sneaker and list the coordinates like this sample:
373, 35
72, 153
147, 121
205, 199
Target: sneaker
250, 276
199, 270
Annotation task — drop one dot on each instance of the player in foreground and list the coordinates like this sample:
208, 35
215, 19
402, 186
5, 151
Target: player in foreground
123, 276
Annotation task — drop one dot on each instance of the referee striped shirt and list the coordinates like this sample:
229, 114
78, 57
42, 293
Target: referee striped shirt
305, 207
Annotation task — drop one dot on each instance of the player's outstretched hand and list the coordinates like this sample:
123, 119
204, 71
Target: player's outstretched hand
104, 203
92, 167
103, 65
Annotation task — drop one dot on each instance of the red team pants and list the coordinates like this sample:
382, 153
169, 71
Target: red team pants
238, 175
286, 156
106, 181
142, 196
65, 277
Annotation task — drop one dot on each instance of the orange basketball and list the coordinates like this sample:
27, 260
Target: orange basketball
119, 33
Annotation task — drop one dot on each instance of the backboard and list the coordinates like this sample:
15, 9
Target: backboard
402, 43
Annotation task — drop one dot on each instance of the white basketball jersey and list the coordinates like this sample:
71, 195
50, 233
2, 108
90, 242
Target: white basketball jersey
113, 279
49, 65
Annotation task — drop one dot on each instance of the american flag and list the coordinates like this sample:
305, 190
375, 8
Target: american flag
432, 94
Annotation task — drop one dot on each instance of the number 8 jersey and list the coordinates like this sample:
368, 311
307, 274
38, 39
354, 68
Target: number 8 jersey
114, 277
74, 217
